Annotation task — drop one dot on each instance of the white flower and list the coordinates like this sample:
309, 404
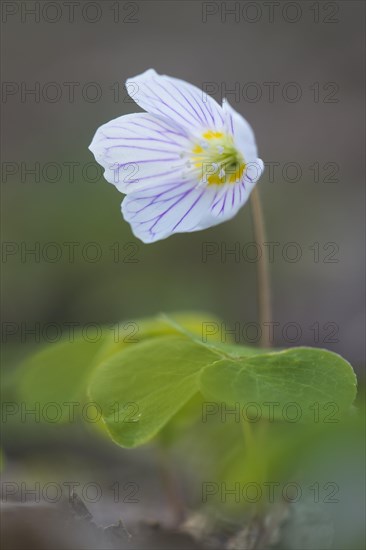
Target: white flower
186, 164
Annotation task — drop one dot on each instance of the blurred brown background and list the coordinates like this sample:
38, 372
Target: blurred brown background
318, 123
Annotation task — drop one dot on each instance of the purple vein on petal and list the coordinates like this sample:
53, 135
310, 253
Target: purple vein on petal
223, 206
204, 112
120, 165
158, 100
189, 210
233, 195
168, 173
125, 138
183, 196
189, 103
155, 196
179, 103
142, 148
160, 216
166, 128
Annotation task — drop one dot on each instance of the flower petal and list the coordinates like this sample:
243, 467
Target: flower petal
241, 131
181, 102
182, 206
140, 150
157, 213
231, 197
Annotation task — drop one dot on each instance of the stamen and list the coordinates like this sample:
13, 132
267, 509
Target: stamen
217, 159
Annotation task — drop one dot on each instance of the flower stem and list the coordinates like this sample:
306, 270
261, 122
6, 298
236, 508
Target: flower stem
263, 283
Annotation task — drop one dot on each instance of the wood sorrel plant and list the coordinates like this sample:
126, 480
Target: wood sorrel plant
187, 164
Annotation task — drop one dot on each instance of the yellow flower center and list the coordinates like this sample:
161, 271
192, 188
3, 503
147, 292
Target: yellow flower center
217, 159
